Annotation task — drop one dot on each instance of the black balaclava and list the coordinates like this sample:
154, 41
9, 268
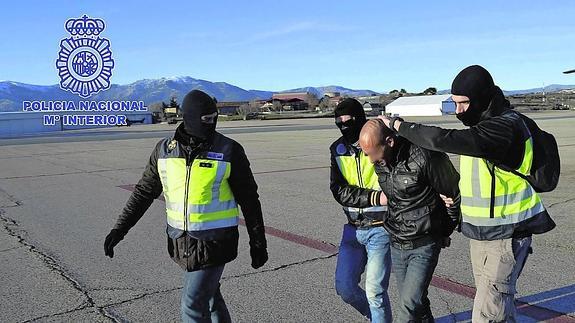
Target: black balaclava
351, 128
200, 116
476, 83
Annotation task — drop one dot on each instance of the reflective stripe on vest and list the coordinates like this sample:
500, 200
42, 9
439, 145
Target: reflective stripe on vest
210, 202
514, 199
351, 171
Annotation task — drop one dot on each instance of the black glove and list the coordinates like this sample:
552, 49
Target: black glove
445, 242
112, 239
259, 256
392, 123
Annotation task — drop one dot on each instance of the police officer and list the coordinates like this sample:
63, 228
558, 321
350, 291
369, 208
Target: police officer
365, 243
500, 210
204, 176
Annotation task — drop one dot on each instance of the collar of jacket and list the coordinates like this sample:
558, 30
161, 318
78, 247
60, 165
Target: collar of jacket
183, 138
497, 106
401, 151
353, 147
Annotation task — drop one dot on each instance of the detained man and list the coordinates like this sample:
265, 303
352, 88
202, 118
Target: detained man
417, 219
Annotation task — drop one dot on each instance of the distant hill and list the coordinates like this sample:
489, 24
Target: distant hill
13, 93
155, 90
320, 91
148, 90
548, 89
263, 95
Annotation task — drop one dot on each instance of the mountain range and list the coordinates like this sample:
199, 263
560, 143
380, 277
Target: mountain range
155, 90
149, 90
548, 89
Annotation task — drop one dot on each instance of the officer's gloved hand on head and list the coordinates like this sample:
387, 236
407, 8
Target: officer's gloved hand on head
112, 239
259, 256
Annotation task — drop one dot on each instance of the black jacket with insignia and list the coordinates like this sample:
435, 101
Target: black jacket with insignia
212, 247
496, 138
351, 195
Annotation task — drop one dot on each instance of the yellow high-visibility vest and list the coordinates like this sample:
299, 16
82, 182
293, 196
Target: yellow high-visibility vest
494, 201
358, 171
198, 195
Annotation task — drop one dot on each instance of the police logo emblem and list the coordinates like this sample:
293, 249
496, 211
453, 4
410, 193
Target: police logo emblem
85, 60
172, 145
341, 149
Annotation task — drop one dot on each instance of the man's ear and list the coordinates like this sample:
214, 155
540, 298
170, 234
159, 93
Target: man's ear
390, 141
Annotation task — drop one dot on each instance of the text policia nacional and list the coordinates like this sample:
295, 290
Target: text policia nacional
85, 106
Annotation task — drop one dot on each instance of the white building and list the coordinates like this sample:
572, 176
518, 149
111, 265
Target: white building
424, 105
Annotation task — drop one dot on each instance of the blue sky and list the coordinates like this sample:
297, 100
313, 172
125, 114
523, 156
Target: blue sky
267, 45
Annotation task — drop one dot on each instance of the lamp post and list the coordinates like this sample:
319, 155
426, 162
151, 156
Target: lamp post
568, 72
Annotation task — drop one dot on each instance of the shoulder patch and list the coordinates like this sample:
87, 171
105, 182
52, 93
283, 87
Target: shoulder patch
215, 156
341, 149
172, 145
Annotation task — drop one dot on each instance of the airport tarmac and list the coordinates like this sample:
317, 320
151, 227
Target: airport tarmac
61, 193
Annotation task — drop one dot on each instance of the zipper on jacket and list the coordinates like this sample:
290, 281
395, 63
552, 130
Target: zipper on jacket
390, 184
492, 197
188, 152
359, 175
188, 171
358, 165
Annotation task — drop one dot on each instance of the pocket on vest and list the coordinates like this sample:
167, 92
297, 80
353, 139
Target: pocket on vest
202, 181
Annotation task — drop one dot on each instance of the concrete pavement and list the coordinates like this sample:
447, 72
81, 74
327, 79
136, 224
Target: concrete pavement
60, 195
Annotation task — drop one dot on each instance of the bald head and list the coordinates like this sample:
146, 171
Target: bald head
374, 133
373, 137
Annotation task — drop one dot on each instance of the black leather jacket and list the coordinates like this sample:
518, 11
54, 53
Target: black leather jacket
412, 184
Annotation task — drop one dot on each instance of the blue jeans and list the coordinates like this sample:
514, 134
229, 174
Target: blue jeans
201, 297
367, 250
414, 270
